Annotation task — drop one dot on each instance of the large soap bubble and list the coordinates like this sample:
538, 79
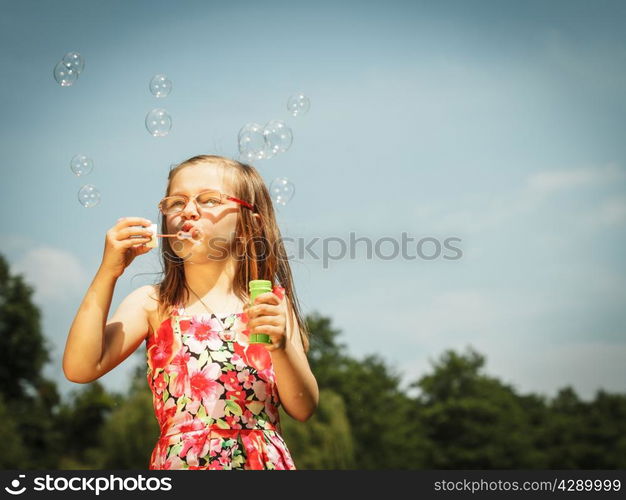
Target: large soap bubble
252, 144
89, 196
64, 75
158, 122
281, 191
278, 137
160, 86
81, 165
74, 61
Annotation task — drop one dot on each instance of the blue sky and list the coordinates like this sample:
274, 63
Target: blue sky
499, 123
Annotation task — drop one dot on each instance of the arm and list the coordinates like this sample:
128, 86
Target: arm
94, 346
297, 387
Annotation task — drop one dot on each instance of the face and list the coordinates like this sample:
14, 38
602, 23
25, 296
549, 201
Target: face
217, 224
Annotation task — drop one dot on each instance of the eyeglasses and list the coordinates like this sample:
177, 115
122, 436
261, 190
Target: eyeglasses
171, 205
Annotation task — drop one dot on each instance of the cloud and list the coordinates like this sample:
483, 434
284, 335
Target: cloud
610, 212
551, 181
537, 188
55, 274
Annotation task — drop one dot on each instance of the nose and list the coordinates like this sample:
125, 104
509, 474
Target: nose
190, 213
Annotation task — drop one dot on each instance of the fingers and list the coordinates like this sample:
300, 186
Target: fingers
122, 234
267, 298
264, 320
129, 221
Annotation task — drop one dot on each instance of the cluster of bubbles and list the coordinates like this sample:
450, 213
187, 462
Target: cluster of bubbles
158, 120
258, 142
88, 195
68, 69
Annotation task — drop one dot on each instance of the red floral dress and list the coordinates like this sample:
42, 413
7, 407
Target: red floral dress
214, 396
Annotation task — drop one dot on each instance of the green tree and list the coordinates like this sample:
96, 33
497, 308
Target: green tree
325, 440
385, 430
472, 420
29, 398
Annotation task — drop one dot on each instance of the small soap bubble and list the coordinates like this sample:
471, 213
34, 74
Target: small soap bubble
75, 62
81, 165
64, 75
252, 143
158, 122
89, 196
281, 191
160, 86
298, 104
278, 137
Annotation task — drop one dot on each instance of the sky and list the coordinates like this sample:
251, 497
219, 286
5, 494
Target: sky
497, 127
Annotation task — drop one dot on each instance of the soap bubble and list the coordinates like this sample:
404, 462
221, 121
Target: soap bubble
252, 144
158, 122
278, 137
160, 86
81, 165
74, 61
89, 196
298, 104
64, 75
281, 191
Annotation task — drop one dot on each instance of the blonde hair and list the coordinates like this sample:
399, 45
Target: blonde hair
250, 242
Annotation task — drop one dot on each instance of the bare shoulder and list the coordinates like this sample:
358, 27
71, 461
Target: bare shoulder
151, 305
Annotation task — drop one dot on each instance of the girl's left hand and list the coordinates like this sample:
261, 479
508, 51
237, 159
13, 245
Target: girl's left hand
268, 316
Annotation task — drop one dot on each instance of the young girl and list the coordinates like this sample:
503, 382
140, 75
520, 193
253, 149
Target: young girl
215, 395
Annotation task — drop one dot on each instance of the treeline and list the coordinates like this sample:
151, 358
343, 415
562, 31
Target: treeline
460, 419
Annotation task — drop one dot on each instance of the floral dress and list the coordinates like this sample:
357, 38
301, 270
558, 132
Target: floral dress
214, 396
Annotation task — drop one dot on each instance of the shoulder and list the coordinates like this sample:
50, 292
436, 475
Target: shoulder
149, 295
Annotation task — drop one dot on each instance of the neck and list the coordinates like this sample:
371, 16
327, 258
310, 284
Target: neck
213, 282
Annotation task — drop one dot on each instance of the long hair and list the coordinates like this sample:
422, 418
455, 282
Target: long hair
260, 244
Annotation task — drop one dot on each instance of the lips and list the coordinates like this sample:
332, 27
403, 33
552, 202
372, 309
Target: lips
187, 226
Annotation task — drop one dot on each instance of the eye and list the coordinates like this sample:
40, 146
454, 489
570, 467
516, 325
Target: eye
209, 200
179, 202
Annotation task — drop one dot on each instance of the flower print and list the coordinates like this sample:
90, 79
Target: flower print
258, 357
253, 446
260, 390
202, 383
230, 380
249, 419
194, 444
216, 409
237, 361
246, 378
237, 394
163, 347
174, 463
179, 375
273, 456
160, 383
224, 457
233, 422
165, 412
203, 332
271, 411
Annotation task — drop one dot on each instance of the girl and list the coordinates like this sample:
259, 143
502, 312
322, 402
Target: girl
215, 395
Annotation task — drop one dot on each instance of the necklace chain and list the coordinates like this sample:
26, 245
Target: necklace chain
207, 308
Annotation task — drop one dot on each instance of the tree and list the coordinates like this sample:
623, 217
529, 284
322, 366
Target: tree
472, 420
325, 440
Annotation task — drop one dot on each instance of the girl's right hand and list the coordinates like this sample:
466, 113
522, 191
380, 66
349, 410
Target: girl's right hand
119, 251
